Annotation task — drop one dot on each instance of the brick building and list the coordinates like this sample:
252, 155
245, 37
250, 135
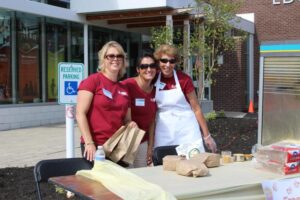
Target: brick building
275, 21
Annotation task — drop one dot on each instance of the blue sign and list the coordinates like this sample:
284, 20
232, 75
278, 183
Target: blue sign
71, 87
69, 77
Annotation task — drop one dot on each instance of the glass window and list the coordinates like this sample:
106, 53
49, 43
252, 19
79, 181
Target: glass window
5, 59
28, 45
77, 49
59, 3
56, 45
135, 53
97, 38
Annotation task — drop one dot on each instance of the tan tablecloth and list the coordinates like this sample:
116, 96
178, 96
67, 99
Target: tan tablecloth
232, 181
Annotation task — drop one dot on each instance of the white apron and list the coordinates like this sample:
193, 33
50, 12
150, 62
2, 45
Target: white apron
176, 123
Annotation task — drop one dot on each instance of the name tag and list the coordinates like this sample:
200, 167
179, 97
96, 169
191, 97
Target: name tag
161, 85
139, 102
107, 93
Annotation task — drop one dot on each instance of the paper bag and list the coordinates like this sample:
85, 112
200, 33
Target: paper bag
169, 162
191, 168
209, 159
113, 141
134, 145
119, 152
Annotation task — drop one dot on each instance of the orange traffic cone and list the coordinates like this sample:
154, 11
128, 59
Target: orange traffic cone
251, 107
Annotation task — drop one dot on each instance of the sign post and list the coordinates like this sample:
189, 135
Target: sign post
69, 77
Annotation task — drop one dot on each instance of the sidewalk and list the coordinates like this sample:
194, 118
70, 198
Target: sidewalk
25, 147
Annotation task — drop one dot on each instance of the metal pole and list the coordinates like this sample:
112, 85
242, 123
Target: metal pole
86, 50
260, 102
251, 68
70, 116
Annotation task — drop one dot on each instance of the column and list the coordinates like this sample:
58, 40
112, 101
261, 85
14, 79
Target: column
85, 49
43, 59
251, 67
169, 24
187, 67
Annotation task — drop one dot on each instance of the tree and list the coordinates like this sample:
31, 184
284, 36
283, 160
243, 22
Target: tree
210, 37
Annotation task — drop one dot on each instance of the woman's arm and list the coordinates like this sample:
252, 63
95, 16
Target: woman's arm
209, 141
128, 121
84, 100
198, 113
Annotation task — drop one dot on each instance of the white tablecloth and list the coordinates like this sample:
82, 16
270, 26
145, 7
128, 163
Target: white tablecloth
239, 180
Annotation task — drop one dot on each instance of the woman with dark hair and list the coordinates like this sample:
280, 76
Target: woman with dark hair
102, 102
143, 106
179, 115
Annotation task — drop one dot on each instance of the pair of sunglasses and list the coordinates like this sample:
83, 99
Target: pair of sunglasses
165, 60
113, 56
145, 66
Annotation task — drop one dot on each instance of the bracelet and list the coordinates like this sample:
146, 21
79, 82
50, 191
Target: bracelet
205, 138
89, 143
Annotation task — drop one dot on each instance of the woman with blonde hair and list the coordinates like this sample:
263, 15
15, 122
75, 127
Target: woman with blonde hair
179, 115
102, 102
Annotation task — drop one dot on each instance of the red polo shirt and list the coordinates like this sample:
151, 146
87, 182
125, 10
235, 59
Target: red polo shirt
143, 106
108, 107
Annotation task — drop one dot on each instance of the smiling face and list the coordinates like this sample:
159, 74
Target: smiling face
113, 60
167, 64
147, 69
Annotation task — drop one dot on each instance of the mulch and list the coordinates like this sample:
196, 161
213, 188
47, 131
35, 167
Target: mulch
235, 134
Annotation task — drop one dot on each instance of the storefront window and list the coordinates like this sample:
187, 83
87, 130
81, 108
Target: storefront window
135, 41
5, 59
56, 39
77, 50
97, 38
28, 45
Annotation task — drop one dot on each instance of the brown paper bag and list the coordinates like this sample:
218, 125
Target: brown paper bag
113, 141
169, 162
191, 168
134, 145
119, 152
209, 159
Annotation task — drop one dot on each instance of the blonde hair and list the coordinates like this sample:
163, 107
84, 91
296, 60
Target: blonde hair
102, 54
168, 49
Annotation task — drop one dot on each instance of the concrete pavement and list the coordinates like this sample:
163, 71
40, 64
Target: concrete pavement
25, 147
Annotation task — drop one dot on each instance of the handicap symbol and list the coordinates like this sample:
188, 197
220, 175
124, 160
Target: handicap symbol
71, 88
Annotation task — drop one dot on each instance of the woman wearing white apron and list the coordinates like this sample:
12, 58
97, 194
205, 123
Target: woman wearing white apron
179, 114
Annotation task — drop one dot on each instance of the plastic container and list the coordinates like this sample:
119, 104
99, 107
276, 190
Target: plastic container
279, 152
100, 154
281, 157
226, 157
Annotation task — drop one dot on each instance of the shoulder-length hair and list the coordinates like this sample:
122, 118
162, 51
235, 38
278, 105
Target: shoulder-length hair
102, 54
168, 49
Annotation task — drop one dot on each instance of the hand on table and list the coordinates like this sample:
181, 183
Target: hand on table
89, 152
210, 143
149, 157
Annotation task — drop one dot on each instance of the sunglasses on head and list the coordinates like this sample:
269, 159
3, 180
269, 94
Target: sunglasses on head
113, 56
165, 60
145, 66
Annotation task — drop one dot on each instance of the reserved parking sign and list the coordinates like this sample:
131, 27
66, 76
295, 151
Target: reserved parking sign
69, 77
